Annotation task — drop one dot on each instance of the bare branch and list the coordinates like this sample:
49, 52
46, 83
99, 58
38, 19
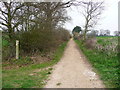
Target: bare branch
3, 11
18, 7
3, 24
92, 12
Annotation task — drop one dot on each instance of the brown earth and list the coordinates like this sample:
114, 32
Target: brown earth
73, 71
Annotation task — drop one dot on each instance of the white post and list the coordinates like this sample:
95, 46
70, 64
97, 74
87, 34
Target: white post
17, 49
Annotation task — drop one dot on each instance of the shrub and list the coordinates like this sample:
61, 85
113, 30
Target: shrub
62, 34
35, 40
8, 48
42, 40
90, 43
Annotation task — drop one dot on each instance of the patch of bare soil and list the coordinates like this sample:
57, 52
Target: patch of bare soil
73, 71
39, 59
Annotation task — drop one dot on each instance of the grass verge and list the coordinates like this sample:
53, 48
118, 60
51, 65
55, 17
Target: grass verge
107, 66
32, 76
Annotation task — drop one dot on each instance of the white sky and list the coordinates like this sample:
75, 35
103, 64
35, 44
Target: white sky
108, 21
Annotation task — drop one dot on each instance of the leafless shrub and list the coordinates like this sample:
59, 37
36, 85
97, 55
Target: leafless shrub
90, 43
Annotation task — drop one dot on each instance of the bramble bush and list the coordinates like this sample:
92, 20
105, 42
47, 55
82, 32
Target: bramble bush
42, 40
35, 41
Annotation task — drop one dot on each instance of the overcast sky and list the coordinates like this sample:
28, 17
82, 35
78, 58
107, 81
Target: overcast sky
109, 19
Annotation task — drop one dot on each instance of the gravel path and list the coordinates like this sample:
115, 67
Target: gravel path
73, 71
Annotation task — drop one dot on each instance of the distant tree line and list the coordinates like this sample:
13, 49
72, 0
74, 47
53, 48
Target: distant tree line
104, 33
117, 33
78, 31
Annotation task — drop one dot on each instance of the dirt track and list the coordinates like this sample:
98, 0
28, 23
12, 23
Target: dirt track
73, 71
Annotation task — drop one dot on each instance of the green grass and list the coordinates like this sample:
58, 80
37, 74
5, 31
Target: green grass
107, 37
107, 40
5, 43
107, 66
22, 78
22, 61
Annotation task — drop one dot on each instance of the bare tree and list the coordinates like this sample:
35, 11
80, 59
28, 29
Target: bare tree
16, 16
107, 32
91, 12
117, 33
104, 32
52, 13
7, 17
94, 32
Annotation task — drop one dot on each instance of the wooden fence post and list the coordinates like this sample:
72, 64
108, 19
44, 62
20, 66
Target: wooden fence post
17, 49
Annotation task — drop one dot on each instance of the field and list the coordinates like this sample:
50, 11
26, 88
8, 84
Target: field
104, 58
108, 45
31, 76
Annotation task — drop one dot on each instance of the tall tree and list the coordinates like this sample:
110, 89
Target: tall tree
16, 16
7, 17
51, 13
77, 29
92, 11
9, 22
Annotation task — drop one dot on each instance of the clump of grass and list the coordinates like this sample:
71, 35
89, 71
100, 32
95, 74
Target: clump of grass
22, 61
106, 65
22, 78
16, 63
50, 68
58, 84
